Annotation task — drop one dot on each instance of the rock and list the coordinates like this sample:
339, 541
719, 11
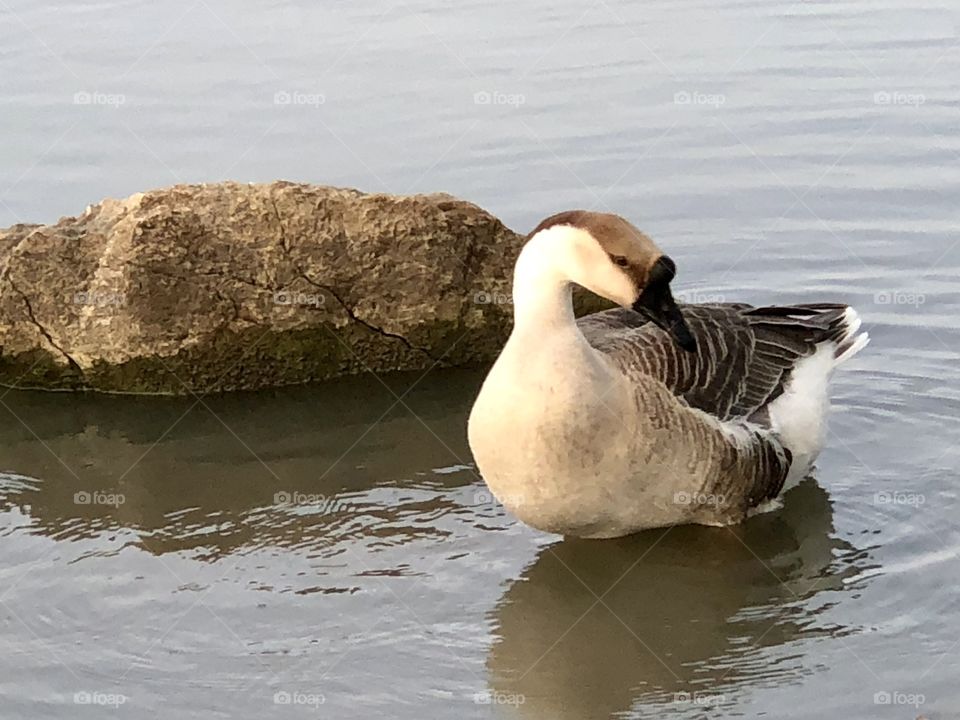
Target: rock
229, 286
201, 288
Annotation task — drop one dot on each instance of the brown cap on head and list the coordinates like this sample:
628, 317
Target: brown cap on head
640, 259
618, 237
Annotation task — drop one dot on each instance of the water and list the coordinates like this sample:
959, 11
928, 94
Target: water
334, 543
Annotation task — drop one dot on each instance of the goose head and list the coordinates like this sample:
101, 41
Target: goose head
607, 255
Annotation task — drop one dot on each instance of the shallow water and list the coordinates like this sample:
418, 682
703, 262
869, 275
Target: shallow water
334, 543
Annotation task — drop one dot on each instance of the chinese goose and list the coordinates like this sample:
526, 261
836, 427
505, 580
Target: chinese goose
652, 414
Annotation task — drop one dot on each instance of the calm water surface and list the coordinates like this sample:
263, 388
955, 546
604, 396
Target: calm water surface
333, 546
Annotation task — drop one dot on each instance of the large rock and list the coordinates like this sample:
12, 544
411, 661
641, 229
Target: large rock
202, 288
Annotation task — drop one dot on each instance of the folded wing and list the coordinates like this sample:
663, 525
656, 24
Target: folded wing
745, 355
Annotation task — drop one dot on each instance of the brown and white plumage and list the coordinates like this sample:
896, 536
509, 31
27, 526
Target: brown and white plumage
651, 414
745, 360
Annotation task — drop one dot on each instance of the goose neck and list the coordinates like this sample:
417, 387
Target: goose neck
542, 293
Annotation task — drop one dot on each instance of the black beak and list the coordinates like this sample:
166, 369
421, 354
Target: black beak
657, 304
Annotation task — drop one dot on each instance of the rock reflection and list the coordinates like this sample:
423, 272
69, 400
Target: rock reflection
677, 618
308, 467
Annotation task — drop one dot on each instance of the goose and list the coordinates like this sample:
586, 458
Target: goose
654, 413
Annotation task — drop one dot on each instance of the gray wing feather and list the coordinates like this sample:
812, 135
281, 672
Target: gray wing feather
744, 359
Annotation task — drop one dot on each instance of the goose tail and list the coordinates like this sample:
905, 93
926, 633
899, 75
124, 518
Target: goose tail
852, 340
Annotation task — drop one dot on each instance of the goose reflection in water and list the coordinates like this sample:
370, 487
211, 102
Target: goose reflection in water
681, 619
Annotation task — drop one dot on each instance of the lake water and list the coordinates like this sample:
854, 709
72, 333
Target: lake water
330, 551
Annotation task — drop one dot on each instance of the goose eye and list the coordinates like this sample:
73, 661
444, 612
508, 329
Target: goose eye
620, 260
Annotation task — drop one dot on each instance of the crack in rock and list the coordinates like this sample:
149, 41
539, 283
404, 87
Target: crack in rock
353, 316
349, 310
43, 331
283, 231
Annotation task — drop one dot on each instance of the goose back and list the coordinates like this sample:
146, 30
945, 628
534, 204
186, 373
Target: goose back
744, 359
